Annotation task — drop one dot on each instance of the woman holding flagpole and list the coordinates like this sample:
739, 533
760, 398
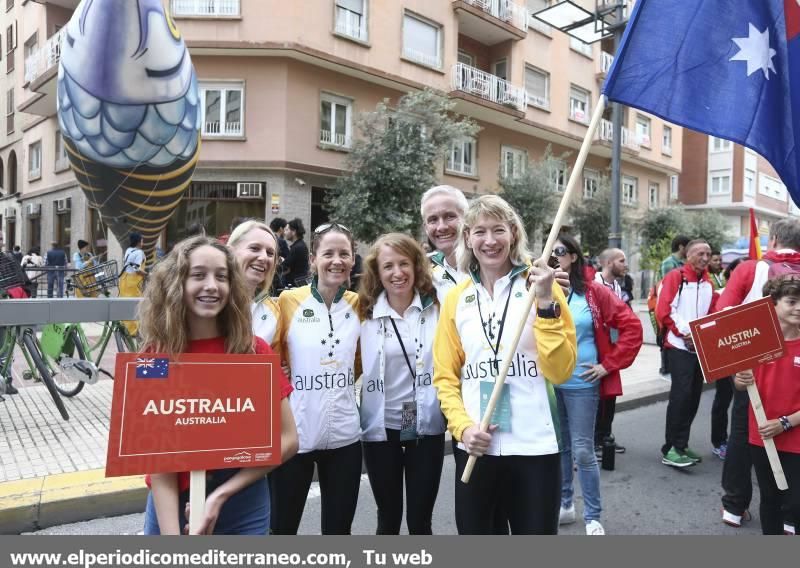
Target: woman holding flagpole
520, 467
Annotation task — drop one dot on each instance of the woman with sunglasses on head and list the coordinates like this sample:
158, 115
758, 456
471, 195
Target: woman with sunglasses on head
595, 310
520, 466
318, 333
255, 247
402, 424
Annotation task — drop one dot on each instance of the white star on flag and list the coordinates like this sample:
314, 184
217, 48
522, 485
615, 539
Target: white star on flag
755, 50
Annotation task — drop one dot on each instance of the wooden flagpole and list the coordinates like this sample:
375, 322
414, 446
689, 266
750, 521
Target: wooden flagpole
197, 499
769, 445
574, 177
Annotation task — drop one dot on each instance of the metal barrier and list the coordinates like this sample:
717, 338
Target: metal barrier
38, 275
66, 310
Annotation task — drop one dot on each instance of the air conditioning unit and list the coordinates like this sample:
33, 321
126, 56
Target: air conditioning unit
64, 204
10, 212
34, 209
249, 189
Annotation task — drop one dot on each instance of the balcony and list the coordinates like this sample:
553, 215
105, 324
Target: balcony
41, 71
328, 138
606, 60
473, 81
351, 24
492, 21
71, 4
605, 133
205, 8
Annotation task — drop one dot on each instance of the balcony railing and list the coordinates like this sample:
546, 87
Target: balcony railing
205, 7
334, 139
506, 10
45, 57
487, 86
423, 58
606, 60
217, 128
351, 24
605, 133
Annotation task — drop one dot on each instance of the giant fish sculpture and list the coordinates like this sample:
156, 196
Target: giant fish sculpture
128, 106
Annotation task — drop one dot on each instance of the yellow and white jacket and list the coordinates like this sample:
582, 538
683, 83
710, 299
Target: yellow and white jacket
320, 346
265, 318
374, 334
445, 277
462, 359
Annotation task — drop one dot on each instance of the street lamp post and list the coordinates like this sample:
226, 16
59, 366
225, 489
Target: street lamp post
589, 27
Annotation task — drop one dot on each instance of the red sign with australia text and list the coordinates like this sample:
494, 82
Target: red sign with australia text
193, 412
738, 339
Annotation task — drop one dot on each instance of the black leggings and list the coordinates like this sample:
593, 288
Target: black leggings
421, 460
529, 487
339, 474
776, 505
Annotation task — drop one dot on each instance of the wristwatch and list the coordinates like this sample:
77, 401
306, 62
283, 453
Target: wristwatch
552, 311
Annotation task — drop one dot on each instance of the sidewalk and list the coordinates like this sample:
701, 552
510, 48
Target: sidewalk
52, 471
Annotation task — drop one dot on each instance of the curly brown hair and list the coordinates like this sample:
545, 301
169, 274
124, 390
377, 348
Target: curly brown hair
371, 287
163, 313
777, 288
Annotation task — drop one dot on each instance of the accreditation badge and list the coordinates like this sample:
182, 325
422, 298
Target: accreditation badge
408, 421
502, 412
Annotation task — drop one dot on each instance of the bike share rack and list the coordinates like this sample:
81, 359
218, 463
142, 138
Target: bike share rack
42, 311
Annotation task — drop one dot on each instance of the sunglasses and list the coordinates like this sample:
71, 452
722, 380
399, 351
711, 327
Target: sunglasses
560, 250
328, 226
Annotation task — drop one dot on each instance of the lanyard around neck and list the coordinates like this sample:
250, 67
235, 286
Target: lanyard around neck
405, 355
484, 325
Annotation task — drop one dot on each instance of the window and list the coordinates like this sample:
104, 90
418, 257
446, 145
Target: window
204, 7
35, 160
630, 190
749, 182
465, 58
591, 183
61, 160
666, 141
537, 85
577, 45
558, 176
719, 144
35, 231
673, 187
223, 109
422, 41
537, 6
351, 18
461, 159
653, 195
514, 160
335, 118
10, 111
643, 130
31, 45
720, 183
11, 45
63, 226
579, 104
771, 187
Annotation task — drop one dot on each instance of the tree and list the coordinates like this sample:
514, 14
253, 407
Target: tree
711, 226
532, 193
657, 223
591, 217
393, 161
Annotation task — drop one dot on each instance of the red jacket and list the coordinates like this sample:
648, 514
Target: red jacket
608, 311
743, 279
684, 296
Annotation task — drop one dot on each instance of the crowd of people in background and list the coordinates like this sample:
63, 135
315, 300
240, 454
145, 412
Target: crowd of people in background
382, 357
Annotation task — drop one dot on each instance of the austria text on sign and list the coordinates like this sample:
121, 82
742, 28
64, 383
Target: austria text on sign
194, 412
738, 339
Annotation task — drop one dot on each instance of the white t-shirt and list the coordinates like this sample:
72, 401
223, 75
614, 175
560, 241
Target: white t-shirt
613, 285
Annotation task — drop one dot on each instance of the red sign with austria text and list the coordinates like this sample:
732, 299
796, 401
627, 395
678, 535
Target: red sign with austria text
737, 339
193, 412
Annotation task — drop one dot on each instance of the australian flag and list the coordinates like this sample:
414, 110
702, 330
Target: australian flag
152, 368
729, 68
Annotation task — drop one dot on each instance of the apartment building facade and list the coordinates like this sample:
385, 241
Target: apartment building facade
718, 174
282, 84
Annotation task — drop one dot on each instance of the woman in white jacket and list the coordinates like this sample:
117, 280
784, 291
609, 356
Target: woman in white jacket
401, 422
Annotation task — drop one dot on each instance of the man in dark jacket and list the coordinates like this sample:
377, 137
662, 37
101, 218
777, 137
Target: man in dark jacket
278, 224
295, 267
56, 260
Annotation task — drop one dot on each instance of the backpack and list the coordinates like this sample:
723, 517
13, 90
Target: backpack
652, 303
783, 268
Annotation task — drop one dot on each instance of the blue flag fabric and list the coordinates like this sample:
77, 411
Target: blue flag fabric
152, 368
729, 68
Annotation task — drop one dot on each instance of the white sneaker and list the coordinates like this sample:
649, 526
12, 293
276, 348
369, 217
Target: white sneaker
566, 516
594, 528
788, 529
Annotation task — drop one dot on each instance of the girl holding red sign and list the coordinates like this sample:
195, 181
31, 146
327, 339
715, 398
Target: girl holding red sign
197, 302
778, 384
318, 334
255, 247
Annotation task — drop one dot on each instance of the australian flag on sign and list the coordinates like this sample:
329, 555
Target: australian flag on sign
152, 368
729, 68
